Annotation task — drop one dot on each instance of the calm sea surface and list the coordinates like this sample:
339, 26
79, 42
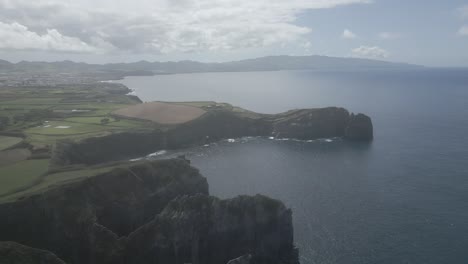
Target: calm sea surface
401, 199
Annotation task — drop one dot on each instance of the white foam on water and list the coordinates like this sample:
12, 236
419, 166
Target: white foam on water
46, 126
133, 92
62, 127
231, 140
157, 153
137, 159
271, 138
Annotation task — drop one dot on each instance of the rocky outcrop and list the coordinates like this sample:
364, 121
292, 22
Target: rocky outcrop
82, 222
153, 212
246, 259
359, 128
213, 126
311, 123
14, 253
205, 230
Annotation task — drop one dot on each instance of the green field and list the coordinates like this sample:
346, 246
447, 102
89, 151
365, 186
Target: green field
11, 156
21, 174
7, 142
47, 115
50, 181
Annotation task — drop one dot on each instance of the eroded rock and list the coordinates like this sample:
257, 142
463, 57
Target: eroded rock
14, 253
153, 212
359, 128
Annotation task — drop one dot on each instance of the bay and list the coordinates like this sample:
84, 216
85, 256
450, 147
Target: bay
401, 199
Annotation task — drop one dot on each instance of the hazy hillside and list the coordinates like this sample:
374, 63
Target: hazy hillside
258, 64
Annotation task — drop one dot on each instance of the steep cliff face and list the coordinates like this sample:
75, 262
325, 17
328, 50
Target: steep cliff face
217, 125
359, 128
311, 123
107, 148
205, 230
82, 222
14, 253
154, 212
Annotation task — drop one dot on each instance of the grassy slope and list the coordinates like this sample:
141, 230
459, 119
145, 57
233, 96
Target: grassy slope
49, 102
21, 174
56, 104
6, 142
58, 101
53, 180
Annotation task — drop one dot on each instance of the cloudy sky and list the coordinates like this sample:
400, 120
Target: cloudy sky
429, 32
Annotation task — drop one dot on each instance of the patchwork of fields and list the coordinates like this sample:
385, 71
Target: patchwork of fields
33, 119
8, 142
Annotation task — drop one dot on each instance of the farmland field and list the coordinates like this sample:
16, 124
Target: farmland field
7, 142
21, 174
162, 113
44, 116
13, 155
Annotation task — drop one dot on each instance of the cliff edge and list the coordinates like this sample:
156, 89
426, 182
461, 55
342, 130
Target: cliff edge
151, 212
217, 124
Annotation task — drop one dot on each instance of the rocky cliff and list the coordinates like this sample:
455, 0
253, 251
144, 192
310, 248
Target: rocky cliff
14, 253
152, 212
217, 125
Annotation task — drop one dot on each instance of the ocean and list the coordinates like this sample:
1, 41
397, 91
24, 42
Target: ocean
401, 199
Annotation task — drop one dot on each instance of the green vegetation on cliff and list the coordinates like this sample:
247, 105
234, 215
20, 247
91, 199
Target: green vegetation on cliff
8, 142
22, 174
77, 129
149, 212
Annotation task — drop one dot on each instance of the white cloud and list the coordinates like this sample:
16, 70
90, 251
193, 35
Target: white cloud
17, 36
370, 52
463, 31
348, 34
307, 45
389, 35
160, 26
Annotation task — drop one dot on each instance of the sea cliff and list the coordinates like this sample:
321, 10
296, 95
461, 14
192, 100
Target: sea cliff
215, 125
150, 212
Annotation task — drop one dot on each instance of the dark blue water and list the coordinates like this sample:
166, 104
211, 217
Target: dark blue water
401, 199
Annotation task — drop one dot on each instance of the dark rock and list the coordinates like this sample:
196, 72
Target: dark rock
82, 222
205, 230
311, 123
246, 259
359, 128
304, 124
14, 253
153, 212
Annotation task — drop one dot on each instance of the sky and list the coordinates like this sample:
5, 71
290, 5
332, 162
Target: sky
430, 32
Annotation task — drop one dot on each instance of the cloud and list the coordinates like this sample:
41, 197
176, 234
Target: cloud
389, 35
348, 34
463, 31
17, 36
370, 52
157, 26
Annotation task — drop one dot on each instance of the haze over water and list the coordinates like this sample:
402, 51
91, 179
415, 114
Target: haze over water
401, 199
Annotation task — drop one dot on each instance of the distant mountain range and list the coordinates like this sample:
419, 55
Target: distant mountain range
270, 63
